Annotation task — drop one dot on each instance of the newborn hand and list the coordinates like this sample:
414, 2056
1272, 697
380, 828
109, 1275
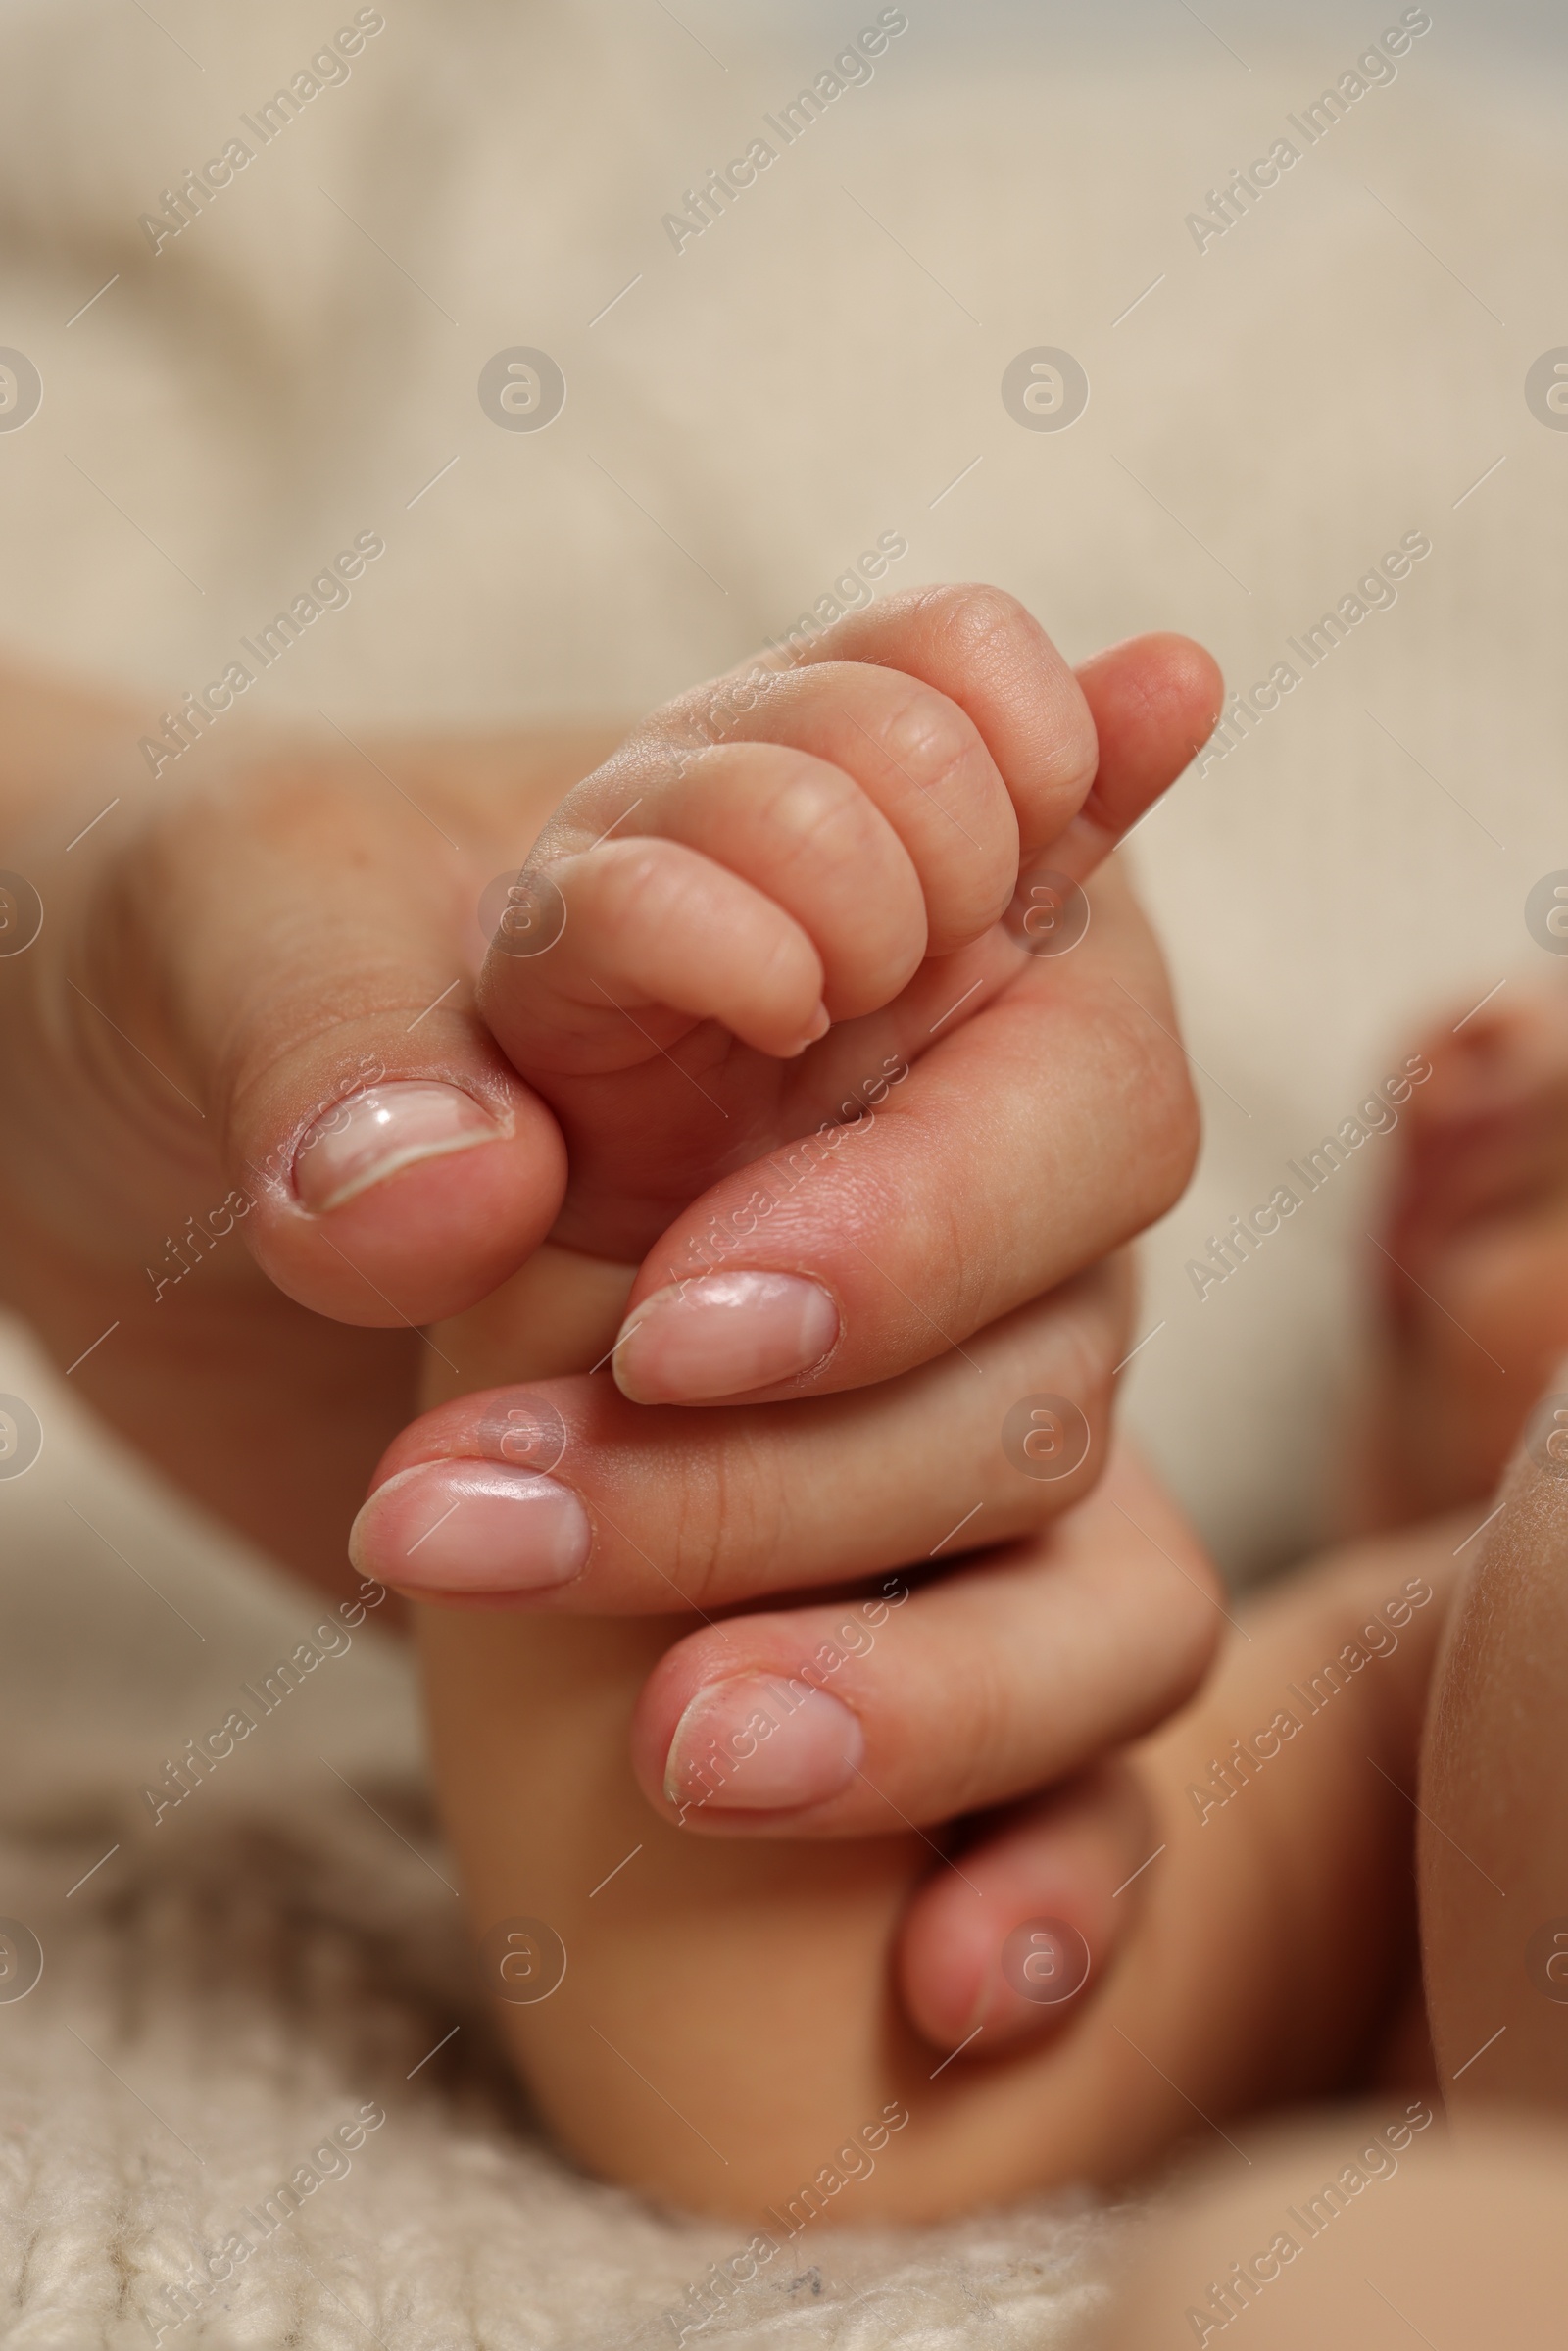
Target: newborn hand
773, 853
782, 849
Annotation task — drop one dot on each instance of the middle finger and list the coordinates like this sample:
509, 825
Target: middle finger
565, 1496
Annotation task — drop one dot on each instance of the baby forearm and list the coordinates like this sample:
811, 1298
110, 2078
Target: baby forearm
728, 2031
723, 2013
1279, 1934
723, 2023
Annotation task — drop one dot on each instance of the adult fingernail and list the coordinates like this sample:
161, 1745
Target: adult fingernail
362, 1140
721, 1335
471, 1526
761, 1744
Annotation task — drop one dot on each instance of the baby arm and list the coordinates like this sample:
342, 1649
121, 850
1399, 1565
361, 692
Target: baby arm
732, 2031
669, 1068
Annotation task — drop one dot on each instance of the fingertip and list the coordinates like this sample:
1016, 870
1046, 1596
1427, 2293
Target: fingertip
1179, 664
656, 936
1187, 676
973, 1985
820, 1022
1155, 700
1010, 1944
1152, 696
414, 1204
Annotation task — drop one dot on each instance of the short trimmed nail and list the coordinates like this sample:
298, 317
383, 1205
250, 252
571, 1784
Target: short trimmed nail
722, 1335
822, 1022
362, 1140
471, 1526
759, 1744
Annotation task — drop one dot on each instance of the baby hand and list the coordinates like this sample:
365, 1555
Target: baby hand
781, 851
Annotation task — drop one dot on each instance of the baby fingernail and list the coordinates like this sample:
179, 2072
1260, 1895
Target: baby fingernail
471, 1526
822, 1022
362, 1140
722, 1335
761, 1744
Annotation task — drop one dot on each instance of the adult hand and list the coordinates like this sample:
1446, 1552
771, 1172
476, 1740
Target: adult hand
1023, 1669
199, 1163
974, 1685
197, 1171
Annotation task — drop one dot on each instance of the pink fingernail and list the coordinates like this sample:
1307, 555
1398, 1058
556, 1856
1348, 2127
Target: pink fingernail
471, 1526
722, 1335
362, 1140
761, 1744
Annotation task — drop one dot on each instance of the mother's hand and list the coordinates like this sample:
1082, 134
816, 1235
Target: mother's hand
244, 1031
969, 1682
1013, 1160
192, 1053
953, 1228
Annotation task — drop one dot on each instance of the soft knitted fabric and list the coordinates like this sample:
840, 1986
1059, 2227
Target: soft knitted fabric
232, 1991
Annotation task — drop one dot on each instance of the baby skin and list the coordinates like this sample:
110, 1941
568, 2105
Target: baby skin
729, 941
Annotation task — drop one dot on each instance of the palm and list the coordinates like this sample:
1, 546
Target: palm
698, 1106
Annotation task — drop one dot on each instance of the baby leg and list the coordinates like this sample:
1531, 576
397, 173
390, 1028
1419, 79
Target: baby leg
1368, 2230
1494, 1828
1472, 1261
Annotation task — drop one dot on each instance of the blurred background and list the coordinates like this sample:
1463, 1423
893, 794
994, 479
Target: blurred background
1270, 410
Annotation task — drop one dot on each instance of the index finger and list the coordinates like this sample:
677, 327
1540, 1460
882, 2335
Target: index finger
1083, 752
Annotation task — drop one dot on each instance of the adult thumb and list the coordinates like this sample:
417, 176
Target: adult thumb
303, 955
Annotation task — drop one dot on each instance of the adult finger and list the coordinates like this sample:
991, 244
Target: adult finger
1011, 1934
960, 1694
563, 1494
952, 1185
275, 975
1154, 702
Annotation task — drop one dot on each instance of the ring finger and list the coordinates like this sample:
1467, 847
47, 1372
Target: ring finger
910, 1706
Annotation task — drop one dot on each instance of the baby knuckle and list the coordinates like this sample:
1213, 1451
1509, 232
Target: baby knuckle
630, 879
929, 738
978, 620
1075, 756
819, 821
807, 802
